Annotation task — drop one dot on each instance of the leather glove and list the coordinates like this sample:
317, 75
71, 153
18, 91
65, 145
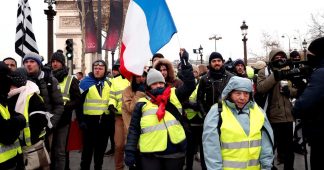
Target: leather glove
285, 91
83, 126
112, 109
184, 56
130, 159
280, 75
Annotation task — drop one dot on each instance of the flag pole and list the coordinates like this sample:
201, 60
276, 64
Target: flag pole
23, 38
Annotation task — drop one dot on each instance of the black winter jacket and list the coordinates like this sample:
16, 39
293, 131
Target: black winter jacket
210, 90
183, 92
309, 106
50, 91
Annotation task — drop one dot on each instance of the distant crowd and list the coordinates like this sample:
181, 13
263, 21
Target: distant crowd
226, 115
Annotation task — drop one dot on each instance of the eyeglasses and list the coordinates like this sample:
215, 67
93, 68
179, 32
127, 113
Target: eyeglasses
99, 63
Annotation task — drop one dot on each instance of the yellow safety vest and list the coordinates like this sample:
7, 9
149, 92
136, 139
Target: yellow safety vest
118, 85
154, 136
65, 88
95, 104
26, 131
193, 99
8, 152
239, 150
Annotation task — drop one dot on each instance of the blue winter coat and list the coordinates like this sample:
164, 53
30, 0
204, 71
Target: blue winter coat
211, 140
309, 106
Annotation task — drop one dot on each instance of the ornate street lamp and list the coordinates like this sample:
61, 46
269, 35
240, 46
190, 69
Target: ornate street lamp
304, 44
50, 16
244, 28
214, 37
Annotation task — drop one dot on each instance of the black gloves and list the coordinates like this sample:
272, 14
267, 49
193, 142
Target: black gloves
280, 75
184, 57
289, 74
130, 158
112, 109
285, 91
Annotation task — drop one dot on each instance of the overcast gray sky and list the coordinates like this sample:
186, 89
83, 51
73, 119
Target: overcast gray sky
196, 21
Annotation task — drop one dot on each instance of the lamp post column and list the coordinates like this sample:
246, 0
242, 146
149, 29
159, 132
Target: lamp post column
304, 44
244, 28
50, 17
245, 51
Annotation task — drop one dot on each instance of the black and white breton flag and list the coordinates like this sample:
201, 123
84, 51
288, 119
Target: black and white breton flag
25, 38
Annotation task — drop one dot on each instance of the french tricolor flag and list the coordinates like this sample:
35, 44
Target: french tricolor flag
148, 27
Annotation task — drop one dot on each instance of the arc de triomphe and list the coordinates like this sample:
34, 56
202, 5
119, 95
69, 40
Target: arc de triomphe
67, 21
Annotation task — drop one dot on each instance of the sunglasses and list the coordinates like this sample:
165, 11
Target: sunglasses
99, 63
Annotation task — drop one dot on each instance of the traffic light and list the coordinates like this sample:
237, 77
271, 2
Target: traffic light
69, 49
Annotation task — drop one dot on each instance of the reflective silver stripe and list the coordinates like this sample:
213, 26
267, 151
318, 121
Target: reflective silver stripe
255, 143
234, 164
112, 97
5, 148
27, 140
242, 165
153, 111
254, 162
196, 124
160, 126
180, 110
238, 145
95, 108
67, 85
96, 101
192, 101
117, 92
150, 112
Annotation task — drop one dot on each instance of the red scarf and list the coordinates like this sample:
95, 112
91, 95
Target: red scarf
161, 100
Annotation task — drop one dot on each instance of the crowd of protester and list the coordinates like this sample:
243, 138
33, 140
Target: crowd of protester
226, 114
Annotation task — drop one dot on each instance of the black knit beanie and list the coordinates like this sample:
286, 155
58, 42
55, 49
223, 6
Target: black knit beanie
18, 77
294, 54
317, 47
58, 56
214, 55
238, 61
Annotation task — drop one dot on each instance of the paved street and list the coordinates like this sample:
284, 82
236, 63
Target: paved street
109, 164
75, 158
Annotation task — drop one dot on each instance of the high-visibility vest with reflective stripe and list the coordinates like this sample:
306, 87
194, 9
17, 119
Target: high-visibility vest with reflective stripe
8, 151
239, 150
26, 131
193, 99
95, 104
155, 133
118, 85
65, 88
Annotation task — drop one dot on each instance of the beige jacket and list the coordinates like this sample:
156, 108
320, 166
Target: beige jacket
279, 107
129, 99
